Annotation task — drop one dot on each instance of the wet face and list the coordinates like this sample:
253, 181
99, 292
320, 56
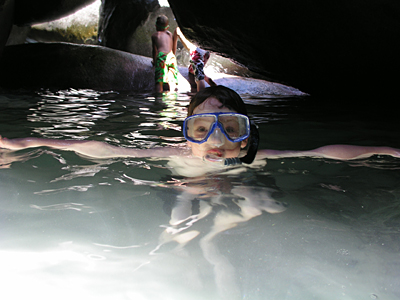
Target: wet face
217, 145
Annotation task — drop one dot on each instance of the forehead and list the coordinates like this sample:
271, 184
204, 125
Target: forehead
211, 105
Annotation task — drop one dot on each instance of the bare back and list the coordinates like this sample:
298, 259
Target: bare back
162, 41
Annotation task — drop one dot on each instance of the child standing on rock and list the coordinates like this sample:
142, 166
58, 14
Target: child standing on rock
164, 60
198, 59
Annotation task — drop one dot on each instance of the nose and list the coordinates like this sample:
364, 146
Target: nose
217, 138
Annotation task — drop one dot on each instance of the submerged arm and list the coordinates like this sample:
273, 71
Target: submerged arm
340, 152
93, 149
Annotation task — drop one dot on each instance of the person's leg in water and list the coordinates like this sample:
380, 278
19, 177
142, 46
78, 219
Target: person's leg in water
172, 74
173, 86
159, 87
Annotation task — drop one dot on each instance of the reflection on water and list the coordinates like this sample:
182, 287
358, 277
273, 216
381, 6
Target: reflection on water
76, 114
295, 228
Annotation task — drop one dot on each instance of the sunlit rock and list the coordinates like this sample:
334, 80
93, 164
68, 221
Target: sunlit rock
28, 12
80, 27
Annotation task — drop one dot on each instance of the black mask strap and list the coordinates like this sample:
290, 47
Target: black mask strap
251, 152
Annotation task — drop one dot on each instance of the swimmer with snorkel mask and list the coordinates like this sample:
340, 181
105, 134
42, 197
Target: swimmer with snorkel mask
217, 129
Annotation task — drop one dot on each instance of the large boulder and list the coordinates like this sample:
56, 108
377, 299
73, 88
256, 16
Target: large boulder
120, 19
29, 12
64, 65
320, 47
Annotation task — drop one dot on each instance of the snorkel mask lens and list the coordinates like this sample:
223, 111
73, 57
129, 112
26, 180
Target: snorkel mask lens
198, 128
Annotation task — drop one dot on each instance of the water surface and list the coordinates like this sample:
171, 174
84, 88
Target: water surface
293, 228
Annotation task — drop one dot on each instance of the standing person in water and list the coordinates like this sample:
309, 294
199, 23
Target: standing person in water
217, 129
198, 60
164, 59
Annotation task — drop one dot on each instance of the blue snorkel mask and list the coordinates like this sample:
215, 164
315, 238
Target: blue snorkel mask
234, 126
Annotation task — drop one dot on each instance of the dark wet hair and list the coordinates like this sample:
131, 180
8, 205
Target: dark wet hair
228, 98
162, 22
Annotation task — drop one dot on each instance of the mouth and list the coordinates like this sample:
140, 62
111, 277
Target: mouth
214, 155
